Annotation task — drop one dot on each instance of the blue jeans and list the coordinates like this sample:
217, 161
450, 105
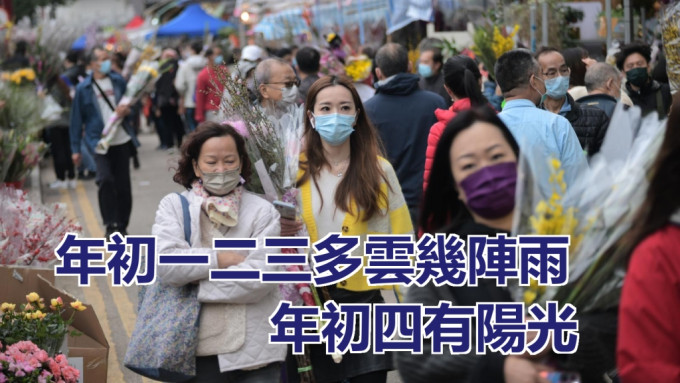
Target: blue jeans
208, 371
189, 119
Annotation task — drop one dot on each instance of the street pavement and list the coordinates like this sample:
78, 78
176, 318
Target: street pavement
116, 306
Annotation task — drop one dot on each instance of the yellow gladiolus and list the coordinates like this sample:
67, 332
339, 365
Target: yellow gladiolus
32, 297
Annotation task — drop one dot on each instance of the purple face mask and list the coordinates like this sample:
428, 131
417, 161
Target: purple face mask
490, 191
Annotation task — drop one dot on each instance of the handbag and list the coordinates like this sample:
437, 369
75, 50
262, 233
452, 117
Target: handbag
163, 343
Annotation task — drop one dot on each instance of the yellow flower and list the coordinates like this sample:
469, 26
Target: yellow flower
78, 305
41, 303
555, 164
7, 307
358, 68
32, 297
28, 74
29, 307
56, 303
153, 72
28, 316
39, 315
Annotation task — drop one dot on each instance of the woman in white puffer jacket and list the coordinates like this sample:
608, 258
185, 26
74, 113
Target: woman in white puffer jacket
233, 326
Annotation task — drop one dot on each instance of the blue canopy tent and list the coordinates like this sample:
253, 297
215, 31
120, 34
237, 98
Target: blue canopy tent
79, 44
193, 21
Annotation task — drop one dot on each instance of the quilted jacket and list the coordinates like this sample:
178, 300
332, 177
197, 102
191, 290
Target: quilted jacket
590, 125
257, 219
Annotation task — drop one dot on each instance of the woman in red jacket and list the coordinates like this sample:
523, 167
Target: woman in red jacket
648, 347
462, 81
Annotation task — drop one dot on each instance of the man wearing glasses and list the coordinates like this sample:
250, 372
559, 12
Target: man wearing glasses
277, 85
590, 124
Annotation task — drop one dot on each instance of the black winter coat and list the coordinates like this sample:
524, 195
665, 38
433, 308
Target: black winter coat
649, 96
590, 125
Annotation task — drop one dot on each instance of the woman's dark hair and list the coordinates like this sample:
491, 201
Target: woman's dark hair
441, 205
191, 149
461, 76
663, 195
361, 184
573, 57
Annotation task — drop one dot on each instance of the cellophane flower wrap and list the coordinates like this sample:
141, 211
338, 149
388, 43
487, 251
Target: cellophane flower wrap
274, 144
596, 211
30, 232
140, 83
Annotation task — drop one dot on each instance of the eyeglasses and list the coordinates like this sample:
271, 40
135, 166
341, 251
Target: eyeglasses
564, 71
287, 84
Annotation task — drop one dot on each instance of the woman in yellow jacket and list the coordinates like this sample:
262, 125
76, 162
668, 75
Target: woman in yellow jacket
348, 188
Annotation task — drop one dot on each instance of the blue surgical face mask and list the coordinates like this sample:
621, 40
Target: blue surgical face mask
334, 128
425, 70
105, 67
557, 87
218, 60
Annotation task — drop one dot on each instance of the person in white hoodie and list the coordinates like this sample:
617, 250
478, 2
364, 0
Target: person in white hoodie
185, 83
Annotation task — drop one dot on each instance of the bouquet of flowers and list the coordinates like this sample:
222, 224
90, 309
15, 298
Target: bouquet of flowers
274, 144
141, 82
490, 45
34, 322
20, 124
24, 362
29, 233
596, 211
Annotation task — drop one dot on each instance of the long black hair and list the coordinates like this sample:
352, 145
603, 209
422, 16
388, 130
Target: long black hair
663, 195
441, 205
461, 76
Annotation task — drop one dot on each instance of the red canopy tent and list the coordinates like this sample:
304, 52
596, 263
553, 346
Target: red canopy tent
135, 23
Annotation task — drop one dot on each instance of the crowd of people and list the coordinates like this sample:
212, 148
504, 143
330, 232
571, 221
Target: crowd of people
400, 150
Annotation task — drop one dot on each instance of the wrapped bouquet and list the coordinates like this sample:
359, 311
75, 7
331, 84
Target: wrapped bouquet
141, 82
596, 211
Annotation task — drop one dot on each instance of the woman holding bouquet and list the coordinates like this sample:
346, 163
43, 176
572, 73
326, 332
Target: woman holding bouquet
346, 187
472, 192
233, 323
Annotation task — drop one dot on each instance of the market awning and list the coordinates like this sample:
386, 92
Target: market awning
193, 21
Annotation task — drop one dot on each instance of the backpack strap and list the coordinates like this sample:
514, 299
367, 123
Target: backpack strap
187, 218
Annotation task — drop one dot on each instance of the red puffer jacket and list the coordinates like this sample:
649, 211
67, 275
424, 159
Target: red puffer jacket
648, 347
443, 117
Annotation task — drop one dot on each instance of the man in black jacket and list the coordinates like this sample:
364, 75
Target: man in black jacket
590, 124
603, 83
649, 95
403, 114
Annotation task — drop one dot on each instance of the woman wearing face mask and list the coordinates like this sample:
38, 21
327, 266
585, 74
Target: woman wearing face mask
462, 82
346, 188
233, 343
472, 192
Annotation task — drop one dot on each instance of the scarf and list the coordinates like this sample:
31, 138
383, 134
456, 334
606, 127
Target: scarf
221, 210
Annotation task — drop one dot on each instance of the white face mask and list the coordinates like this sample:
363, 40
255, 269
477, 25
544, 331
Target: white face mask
289, 95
